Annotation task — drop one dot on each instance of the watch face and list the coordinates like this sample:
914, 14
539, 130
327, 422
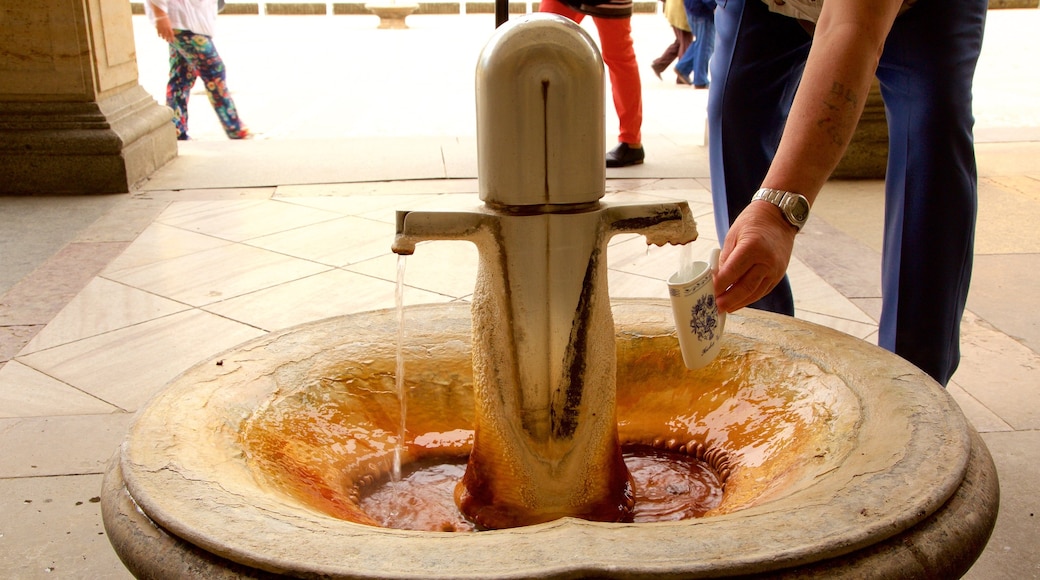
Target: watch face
796, 209
799, 209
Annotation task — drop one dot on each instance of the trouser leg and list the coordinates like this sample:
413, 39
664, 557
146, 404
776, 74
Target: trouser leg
705, 47
178, 89
926, 74
615, 37
670, 54
615, 40
758, 60
210, 67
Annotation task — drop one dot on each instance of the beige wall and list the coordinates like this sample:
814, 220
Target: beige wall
46, 50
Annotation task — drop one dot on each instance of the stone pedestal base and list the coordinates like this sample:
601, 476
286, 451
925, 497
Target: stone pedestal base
97, 147
392, 15
867, 155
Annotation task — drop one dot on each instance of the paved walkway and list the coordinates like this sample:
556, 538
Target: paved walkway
105, 299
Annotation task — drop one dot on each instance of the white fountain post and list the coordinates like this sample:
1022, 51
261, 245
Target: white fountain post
544, 367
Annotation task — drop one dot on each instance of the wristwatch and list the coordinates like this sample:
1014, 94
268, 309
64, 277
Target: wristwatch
793, 205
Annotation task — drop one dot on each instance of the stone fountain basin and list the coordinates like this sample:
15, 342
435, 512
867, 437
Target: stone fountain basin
837, 450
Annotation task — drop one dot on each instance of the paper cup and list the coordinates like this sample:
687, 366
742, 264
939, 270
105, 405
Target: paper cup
698, 321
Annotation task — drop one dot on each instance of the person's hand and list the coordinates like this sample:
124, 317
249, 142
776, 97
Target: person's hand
163, 28
754, 256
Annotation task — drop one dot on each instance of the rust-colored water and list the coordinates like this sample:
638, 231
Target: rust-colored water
761, 426
668, 486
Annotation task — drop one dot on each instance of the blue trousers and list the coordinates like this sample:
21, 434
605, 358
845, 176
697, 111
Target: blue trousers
696, 58
925, 73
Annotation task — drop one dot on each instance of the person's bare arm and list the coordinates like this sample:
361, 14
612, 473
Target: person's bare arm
847, 44
163, 27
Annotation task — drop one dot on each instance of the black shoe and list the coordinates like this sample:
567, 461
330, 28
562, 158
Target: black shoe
681, 79
623, 155
704, 86
608, 8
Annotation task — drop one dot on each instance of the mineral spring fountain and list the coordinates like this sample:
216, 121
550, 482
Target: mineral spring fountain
546, 432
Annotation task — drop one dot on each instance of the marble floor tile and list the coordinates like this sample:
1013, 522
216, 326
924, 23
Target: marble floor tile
39, 225
323, 295
658, 186
127, 366
159, 243
426, 202
1012, 552
626, 285
337, 242
44, 292
849, 265
125, 221
14, 338
241, 220
693, 191
870, 306
39, 447
217, 274
376, 190
857, 329
102, 306
999, 372
1006, 222
1004, 290
447, 201
379, 207
632, 255
983, 419
854, 207
206, 194
26, 392
445, 267
813, 294
266, 163
59, 533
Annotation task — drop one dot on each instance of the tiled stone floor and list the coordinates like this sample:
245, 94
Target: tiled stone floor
105, 299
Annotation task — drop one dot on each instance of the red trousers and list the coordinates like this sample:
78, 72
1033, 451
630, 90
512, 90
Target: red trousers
615, 39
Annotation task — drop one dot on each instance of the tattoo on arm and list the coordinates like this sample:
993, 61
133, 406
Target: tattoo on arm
841, 106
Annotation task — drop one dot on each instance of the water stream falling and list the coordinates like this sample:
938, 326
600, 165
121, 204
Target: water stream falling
402, 397
395, 489
686, 261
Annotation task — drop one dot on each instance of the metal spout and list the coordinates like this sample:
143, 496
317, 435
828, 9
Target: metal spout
418, 226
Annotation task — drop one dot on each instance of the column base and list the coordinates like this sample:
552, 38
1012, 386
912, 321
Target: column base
105, 146
867, 155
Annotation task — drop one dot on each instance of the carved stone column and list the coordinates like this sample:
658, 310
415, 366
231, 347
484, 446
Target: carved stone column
867, 155
73, 118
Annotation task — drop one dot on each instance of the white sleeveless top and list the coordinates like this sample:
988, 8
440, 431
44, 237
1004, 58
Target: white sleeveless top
809, 9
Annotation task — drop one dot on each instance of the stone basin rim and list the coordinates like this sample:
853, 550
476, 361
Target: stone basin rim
174, 497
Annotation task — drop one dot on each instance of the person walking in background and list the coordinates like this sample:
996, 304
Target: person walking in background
675, 14
701, 17
789, 83
613, 19
188, 25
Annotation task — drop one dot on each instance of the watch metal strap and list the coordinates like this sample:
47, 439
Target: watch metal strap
776, 197
773, 196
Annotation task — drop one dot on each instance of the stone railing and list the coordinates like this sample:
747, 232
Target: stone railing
303, 7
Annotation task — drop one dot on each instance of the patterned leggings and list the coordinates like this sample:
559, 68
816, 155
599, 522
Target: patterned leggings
192, 56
